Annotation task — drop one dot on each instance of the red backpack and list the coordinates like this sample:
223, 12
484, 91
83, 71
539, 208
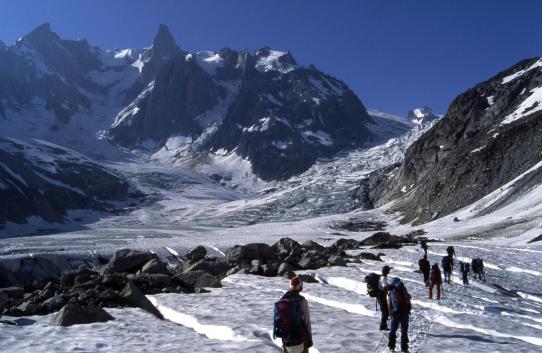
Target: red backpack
403, 299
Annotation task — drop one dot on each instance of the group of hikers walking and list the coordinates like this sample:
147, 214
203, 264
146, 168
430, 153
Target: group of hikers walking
292, 319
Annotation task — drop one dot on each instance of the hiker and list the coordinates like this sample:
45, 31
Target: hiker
423, 246
447, 269
478, 269
425, 268
435, 279
399, 307
464, 269
383, 285
451, 254
450, 251
292, 320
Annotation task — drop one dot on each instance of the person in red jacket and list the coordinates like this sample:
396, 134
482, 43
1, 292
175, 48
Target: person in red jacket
435, 279
425, 268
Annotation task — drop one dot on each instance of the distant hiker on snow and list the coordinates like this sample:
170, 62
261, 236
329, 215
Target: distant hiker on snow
292, 320
451, 254
447, 269
435, 279
464, 269
423, 246
377, 286
478, 269
399, 307
425, 268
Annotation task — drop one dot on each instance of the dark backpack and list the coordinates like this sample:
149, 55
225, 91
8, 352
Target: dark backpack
372, 280
403, 299
446, 265
288, 319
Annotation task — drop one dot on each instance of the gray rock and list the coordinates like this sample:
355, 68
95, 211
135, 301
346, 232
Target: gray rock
4, 299
30, 308
73, 314
196, 254
133, 296
336, 261
54, 303
255, 267
284, 246
155, 266
307, 278
13, 292
215, 267
249, 252
128, 260
195, 279
285, 267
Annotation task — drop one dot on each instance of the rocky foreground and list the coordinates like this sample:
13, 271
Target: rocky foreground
124, 280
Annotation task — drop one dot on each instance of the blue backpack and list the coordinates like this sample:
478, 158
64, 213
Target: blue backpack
288, 321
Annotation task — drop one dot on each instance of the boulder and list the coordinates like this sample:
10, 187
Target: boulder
307, 278
308, 262
73, 314
312, 245
155, 266
270, 269
336, 261
133, 296
47, 292
29, 308
215, 267
345, 244
285, 267
13, 292
255, 267
54, 303
4, 299
153, 280
284, 246
127, 260
249, 252
369, 256
384, 237
67, 278
196, 254
115, 281
195, 279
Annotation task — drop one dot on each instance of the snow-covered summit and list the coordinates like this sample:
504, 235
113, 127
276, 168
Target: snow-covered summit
421, 116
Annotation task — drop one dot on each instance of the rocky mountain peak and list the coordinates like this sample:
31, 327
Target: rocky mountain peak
164, 45
41, 35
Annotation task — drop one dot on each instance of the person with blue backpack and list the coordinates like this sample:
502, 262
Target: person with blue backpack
399, 307
292, 322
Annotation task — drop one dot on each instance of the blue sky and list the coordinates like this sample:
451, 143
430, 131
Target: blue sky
395, 55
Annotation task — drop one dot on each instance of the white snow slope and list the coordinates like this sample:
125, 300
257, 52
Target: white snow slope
482, 317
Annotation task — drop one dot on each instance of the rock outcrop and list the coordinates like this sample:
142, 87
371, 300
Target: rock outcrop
489, 136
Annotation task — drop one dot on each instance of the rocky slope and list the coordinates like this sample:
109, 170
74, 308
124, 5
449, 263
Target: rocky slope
263, 106
45, 181
489, 136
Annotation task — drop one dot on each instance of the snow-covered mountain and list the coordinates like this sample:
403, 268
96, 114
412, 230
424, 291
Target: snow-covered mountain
422, 115
42, 184
263, 107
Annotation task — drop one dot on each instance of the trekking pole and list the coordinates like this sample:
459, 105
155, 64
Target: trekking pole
380, 342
